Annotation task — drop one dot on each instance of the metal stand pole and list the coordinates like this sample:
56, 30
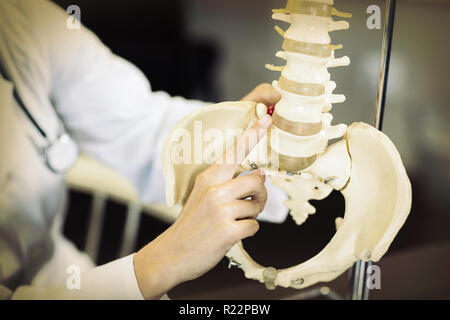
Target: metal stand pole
359, 271
358, 276
385, 62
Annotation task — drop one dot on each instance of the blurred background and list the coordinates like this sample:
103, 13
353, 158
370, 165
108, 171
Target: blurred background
215, 50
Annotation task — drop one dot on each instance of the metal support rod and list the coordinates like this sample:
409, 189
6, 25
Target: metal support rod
359, 272
358, 276
384, 63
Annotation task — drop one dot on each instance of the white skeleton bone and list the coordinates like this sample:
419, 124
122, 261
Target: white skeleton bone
365, 165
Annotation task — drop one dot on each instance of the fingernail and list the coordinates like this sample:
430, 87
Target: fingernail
264, 120
263, 175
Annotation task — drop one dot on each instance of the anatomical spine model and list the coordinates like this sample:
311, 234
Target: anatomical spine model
365, 165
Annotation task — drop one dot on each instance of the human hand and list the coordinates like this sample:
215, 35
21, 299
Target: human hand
263, 93
220, 211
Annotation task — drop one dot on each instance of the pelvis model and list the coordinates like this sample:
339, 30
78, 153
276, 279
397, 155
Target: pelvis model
364, 165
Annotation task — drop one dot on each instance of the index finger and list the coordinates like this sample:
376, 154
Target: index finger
230, 161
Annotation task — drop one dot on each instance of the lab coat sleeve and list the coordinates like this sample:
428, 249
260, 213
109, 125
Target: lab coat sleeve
106, 103
108, 107
112, 281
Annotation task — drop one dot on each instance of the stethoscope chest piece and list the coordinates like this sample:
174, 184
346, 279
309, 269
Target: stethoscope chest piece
61, 155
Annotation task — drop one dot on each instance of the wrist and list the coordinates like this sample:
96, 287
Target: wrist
153, 273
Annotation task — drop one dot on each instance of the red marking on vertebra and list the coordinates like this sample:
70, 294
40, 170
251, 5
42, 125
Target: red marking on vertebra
271, 109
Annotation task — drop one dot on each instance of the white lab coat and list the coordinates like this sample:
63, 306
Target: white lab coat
107, 106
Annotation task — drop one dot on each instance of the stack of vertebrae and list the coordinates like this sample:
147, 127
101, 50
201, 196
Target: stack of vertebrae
301, 122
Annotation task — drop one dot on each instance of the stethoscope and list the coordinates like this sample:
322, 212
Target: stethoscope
60, 154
